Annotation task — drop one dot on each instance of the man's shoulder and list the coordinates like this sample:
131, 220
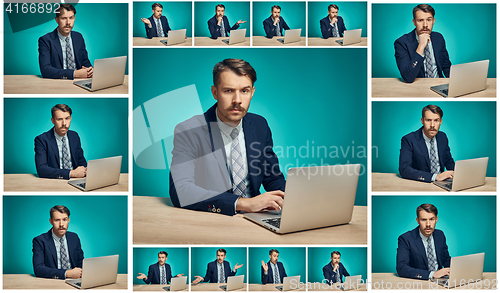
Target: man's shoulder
255, 118
192, 123
325, 19
42, 236
441, 134
45, 135
436, 35
269, 19
413, 135
50, 35
327, 266
212, 19
406, 37
76, 35
408, 234
71, 235
438, 232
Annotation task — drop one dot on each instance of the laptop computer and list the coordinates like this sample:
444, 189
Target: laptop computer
465, 78
291, 36
100, 173
97, 271
351, 283
177, 284
289, 283
236, 36
464, 270
350, 37
175, 37
315, 197
233, 283
108, 72
467, 174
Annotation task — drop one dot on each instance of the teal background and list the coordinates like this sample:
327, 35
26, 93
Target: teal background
353, 14
467, 40
101, 123
178, 259
104, 27
178, 15
312, 103
469, 126
294, 14
468, 222
201, 256
99, 221
293, 259
354, 260
234, 12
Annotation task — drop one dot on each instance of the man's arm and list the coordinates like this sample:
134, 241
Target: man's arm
341, 26
405, 163
39, 268
409, 62
270, 29
42, 167
344, 271
80, 158
328, 274
285, 26
231, 271
44, 59
213, 28
264, 275
208, 275
448, 161
445, 60
150, 32
284, 272
326, 28
167, 28
403, 262
83, 54
273, 178
77, 256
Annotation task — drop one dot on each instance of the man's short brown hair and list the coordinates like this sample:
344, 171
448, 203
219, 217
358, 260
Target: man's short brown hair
220, 5
332, 6
156, 5
430, 208
59, 208
61, 107
275, 6
221, 250
67, 7
423, 8
434, 109
238, 66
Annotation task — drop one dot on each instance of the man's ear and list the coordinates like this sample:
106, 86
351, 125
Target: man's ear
214, 92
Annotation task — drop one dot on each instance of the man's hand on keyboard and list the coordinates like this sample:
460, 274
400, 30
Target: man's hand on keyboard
79, 172
80, 73
441, 273
445, 175
272, 200
74, 273
90, 71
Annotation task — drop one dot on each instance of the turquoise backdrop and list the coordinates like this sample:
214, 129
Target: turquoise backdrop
104, 27
293, 259
178, 259
99, 221
462, 121
294, 14
101, 123
353, 14
201, 256
468, 222
178, 14
234, 12
308, 111
469, 41
354, 260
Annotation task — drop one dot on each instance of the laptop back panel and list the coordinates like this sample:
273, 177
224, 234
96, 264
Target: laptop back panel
175, 37
469, 173
108, 72
291, 283
352, 282
234, 282
467, 268
237, 36
103, 172
468, 78
178, 283
99, 271
352, 37
292, 36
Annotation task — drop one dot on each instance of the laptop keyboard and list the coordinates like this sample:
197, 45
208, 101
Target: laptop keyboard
445, 91
79, 284
89, 85
273, 222
223, 287
448, 185
82, 185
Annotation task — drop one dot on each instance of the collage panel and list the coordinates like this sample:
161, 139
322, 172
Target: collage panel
69, 237
66, 139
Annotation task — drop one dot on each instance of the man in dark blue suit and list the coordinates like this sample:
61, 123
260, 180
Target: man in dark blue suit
160, 272
273, 271
218, 270
58, 253
220, 159
425, 153
333, 24
422, 52
62, 52
157, 24
58, 152
218, 25
422, 252
335, 270
274, 24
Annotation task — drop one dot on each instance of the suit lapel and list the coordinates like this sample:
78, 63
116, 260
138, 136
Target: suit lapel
72, 150
157, 273
423, 147
413, 48
270, 272
53, 145
440, 152
153, 25
52, 247
420, 245
57, 46
252, 151
214, 136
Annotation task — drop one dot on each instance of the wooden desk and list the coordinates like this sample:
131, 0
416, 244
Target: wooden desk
263, 41
271, 287
213, 287
34, 84
182, 226
331, 42
154, 287
421, 87
326, 287
155, 42
206, 41
25, 281
31, 182
393, 182
392, 281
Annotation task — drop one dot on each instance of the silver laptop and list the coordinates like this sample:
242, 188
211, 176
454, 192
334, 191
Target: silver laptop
351, 283
236, 36
100, 173
233, 283
315, 197
289, 283
107, 73
177, 284
291, 36
464, 270
350, 37
465, 78
97, 271
467, 174
175, 37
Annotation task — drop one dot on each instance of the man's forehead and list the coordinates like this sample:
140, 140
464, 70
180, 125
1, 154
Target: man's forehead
228, 77
421, 14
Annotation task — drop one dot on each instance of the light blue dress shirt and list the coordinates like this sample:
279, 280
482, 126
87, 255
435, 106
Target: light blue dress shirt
424, 240
59, 146
62, 40
434, 145
58, 248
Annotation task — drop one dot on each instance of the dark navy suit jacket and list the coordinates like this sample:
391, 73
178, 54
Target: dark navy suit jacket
45, 255
411, 64
269, 278
215, 29
154, 274
414, 162
151, 32
270, 28
330, 275
212, 273
327, 29
411, 259
199, 163
50, 55
47, 154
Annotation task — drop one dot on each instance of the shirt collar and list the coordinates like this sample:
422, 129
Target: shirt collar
63, 38
225, 128
58, 136
424, 238
55, 237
